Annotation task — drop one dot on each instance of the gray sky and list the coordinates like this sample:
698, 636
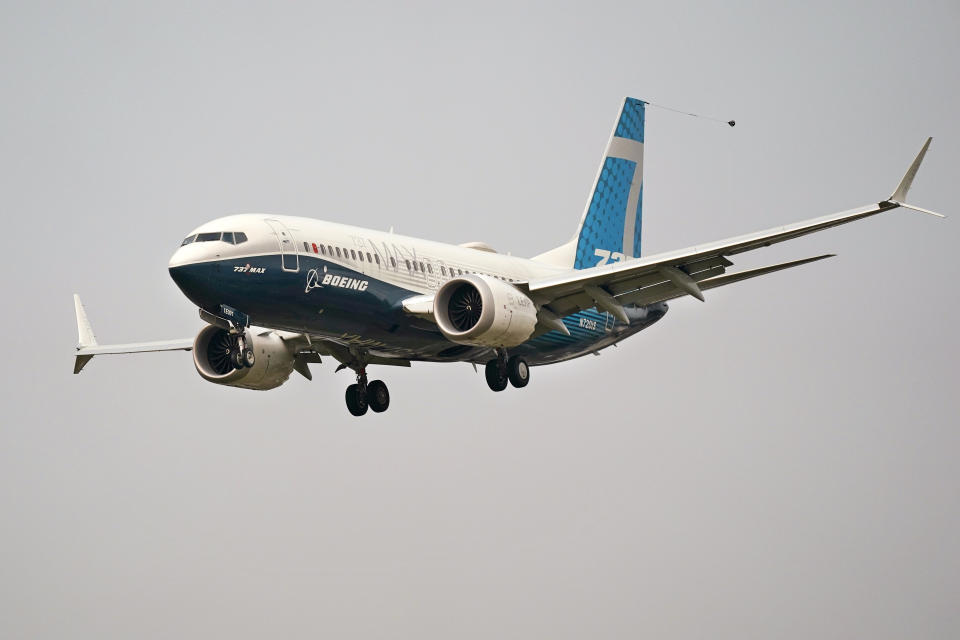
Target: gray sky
778, 462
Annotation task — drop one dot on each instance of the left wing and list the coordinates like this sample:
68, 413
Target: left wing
87, 346
692, 270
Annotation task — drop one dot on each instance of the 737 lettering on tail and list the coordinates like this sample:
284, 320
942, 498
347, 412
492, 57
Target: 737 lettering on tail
279, 293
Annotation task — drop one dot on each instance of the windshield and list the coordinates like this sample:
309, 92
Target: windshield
232, 237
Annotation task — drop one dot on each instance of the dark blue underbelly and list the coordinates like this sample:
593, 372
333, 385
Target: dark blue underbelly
330, 300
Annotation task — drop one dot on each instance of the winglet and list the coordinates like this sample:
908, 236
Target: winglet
85, 337
900, 195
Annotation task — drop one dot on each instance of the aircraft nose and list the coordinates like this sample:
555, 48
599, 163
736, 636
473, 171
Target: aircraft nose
194, 280
190, 273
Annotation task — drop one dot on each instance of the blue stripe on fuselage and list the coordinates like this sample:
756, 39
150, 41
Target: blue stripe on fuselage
364, 310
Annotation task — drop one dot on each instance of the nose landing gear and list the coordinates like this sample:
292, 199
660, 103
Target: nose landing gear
501, 370
238, 348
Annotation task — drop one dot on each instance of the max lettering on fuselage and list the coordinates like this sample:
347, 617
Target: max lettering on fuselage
248, 269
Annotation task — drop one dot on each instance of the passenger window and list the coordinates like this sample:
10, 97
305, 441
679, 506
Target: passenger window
306, 247
188, 240
208, 237
338, 252
323, 250
421, 267
408, 265
353, 254
393, 261
377, 259
443, 270
239, 237
361, 256
369, 259
429, 268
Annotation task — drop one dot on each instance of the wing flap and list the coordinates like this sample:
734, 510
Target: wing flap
667, 291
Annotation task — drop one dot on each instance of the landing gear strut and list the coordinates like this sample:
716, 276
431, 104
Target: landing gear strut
500, 370
241, 354
363, 395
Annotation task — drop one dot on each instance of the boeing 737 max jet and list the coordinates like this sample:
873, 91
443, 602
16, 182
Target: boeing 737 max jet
279, 292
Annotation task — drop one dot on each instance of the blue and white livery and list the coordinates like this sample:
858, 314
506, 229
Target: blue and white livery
279, 292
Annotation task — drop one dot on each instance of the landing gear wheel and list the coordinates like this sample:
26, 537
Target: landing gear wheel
236, 359
518, 371
496, 376
377, 396
249, 359
356, 400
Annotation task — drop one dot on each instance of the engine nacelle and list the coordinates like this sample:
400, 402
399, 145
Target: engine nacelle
483, 311
273, 361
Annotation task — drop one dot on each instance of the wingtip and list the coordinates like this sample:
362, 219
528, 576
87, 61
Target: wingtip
85, 335
900, 195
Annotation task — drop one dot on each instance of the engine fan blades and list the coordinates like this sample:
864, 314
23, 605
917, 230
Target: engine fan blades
218, 353
465, 308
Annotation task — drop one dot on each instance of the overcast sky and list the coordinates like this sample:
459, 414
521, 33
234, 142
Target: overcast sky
779, 462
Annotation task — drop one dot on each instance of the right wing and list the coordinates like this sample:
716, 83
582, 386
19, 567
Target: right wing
692, 270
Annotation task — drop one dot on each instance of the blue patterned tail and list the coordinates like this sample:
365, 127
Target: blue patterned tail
611, 224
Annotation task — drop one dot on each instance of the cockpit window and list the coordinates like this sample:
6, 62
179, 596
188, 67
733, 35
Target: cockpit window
231, 237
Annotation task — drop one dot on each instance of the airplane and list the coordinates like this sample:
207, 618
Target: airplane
278, 292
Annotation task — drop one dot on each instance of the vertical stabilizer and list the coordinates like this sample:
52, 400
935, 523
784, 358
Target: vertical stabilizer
611, 224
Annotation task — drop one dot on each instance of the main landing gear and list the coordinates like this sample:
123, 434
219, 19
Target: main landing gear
501, 370
363, 395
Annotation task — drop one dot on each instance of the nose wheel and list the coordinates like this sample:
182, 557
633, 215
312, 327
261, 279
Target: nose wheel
367, 395
241, 356
501, 370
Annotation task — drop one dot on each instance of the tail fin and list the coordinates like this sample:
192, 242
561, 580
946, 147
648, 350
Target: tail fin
610, 227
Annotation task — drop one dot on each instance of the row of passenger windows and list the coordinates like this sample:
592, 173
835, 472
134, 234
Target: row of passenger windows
361, 256
232, 237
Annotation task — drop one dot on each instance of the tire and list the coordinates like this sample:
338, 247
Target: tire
356, 402
518, 371
236, 359
249, 359
378, 397
496, 379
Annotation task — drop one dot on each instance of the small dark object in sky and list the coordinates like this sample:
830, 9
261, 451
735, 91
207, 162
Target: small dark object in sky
732, 123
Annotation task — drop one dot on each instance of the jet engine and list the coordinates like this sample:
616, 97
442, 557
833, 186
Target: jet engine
272, 366
482, 311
